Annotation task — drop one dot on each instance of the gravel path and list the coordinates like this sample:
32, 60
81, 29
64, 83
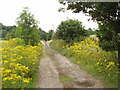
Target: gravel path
52, 65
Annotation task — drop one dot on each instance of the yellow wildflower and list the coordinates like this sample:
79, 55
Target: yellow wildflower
13, 82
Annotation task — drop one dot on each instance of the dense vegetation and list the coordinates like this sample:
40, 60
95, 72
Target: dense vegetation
27, 28
21, 52
70, 30
6, 33
90, 57
107, 15
96, 51
4, 30
98, 54
16, 73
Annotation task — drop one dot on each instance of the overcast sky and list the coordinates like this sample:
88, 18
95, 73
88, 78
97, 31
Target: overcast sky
45, 11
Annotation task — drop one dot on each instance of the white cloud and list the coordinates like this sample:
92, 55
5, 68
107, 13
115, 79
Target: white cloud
45, 11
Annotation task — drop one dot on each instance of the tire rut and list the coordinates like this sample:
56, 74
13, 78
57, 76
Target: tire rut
54, 65
49, 76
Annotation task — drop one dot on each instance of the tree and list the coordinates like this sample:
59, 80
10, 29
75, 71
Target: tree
43, 35
70, 29
107, 16
50, 35
91, 32
27, 28
4, 30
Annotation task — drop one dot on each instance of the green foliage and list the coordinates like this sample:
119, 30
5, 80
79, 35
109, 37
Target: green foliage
58, 44
17, 42
70, 29
107, 42
4, 30
65, 79
99, 11
19, 63
43, 35
91, 32
78, 39
50, 35
3, 33
46, 36
27, 28
90, 57
106, 14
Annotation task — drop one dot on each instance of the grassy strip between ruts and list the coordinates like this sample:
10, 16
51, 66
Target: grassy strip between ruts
91, 58
66, 81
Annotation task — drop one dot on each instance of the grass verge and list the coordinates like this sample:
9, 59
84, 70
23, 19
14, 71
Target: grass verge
91, 58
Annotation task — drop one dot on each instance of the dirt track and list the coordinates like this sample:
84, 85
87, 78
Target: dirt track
53, 65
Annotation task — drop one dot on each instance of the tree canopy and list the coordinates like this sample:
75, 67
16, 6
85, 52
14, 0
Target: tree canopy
27, 28
70, 29
4, 30
107, 16
50, 35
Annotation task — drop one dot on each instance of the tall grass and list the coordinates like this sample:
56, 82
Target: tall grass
90, 57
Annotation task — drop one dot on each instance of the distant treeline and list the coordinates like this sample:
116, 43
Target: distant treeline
4, 30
